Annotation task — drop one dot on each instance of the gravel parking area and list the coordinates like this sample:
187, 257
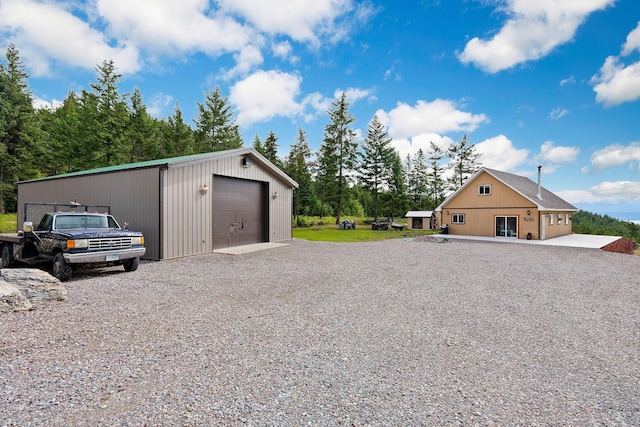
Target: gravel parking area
390, 333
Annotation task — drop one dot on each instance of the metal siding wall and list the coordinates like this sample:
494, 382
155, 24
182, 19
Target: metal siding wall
133, 196
187, 214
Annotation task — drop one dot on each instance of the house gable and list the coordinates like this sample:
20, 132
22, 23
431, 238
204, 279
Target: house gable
486, 191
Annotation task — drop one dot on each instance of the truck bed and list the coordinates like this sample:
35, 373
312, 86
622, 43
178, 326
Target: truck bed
9, 238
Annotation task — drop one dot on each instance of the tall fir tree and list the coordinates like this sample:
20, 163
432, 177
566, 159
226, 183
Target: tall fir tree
143, 132
257, 144
419, 181
107, 132
177, 136
376, 164
18, 129
437, 183
464, 162
271, 149
340, 147
298, 167
216, 128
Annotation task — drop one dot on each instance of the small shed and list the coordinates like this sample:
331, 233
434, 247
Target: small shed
421, 220
184, 205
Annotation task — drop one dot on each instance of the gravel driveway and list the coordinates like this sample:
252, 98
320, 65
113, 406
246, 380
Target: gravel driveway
391, 333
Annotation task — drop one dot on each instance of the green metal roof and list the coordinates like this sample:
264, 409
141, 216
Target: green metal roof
147, 164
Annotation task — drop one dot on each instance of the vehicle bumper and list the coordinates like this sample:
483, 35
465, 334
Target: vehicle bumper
103, 256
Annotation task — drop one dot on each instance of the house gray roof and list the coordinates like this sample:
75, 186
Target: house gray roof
523, 186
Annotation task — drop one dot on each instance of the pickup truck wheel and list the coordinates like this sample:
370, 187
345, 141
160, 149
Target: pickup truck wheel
7, 258
131, 264
61, 270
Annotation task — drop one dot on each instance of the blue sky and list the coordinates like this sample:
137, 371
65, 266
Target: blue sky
547, 82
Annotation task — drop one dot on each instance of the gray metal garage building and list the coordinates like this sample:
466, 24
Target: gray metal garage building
184, 205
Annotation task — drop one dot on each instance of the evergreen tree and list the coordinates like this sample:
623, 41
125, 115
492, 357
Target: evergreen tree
18, 129
143, 132
216, 129
419, 178
106, 133
257, 144
436, 171
376, 165
395, 200
464, 162
66, 136
271, 149
340, 148
298, 167
177, 136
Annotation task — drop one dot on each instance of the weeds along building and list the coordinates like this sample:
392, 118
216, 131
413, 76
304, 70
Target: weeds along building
184, 205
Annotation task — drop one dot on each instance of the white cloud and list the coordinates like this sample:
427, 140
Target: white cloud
410, 146
353, 94
39, 103
616, 155
499, 153
605, 192
568, 81
558, 113
618, 83
282, 49
248, 58
533, 29
439, 116
302, 20
159, 104
171, 27
46, 32
553, 155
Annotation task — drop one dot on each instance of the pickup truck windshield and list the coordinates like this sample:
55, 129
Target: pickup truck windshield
68, 222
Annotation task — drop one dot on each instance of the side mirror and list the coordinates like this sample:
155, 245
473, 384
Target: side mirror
27, 227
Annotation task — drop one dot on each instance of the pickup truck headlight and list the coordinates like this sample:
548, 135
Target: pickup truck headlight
77, 244
137, 240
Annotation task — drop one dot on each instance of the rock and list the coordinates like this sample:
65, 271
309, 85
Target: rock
21, 288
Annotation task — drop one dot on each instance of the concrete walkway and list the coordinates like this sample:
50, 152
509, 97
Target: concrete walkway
570, 240
245, 249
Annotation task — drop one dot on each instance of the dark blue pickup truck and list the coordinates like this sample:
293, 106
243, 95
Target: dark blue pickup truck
74, 240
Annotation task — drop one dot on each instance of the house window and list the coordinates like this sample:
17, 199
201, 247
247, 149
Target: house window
484, 190
566, 219
559, 219
457, 218
550, 219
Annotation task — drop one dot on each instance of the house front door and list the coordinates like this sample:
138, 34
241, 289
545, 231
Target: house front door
507, 226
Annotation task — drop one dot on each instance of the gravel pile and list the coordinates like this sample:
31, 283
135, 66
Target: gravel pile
369, 334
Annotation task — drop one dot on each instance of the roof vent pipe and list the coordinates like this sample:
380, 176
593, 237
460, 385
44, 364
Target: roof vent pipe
539, 195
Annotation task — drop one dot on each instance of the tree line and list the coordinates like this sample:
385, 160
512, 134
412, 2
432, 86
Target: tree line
101, 126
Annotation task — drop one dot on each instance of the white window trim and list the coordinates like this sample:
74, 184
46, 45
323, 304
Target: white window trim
457, 216
487, 186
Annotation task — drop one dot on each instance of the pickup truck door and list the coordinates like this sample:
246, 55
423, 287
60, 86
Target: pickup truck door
46, 242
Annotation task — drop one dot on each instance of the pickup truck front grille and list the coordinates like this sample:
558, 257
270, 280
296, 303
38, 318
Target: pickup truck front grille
110, 243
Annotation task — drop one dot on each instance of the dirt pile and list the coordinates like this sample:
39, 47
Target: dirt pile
622, 246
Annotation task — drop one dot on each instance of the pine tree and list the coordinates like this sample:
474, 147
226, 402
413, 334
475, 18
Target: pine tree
271, 149
395, 200
298, 167
216, 129
376, 165
106, 133
18, 129
338, 152
418, 184
177, 136
436, 172
464, 162
257, 144
143, 132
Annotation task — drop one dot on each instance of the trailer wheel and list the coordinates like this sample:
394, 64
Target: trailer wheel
7, 256
131, 264
61, 270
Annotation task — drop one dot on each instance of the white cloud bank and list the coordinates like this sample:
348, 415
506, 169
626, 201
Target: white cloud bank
616, 155
618, 83
618, 192
533, 29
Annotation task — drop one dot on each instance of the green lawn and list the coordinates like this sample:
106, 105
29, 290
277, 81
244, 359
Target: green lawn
8, 223
362, 233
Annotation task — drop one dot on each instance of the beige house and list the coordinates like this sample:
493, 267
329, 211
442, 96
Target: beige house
500, 204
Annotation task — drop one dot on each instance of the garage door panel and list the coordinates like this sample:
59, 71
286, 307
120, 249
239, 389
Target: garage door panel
238, 212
